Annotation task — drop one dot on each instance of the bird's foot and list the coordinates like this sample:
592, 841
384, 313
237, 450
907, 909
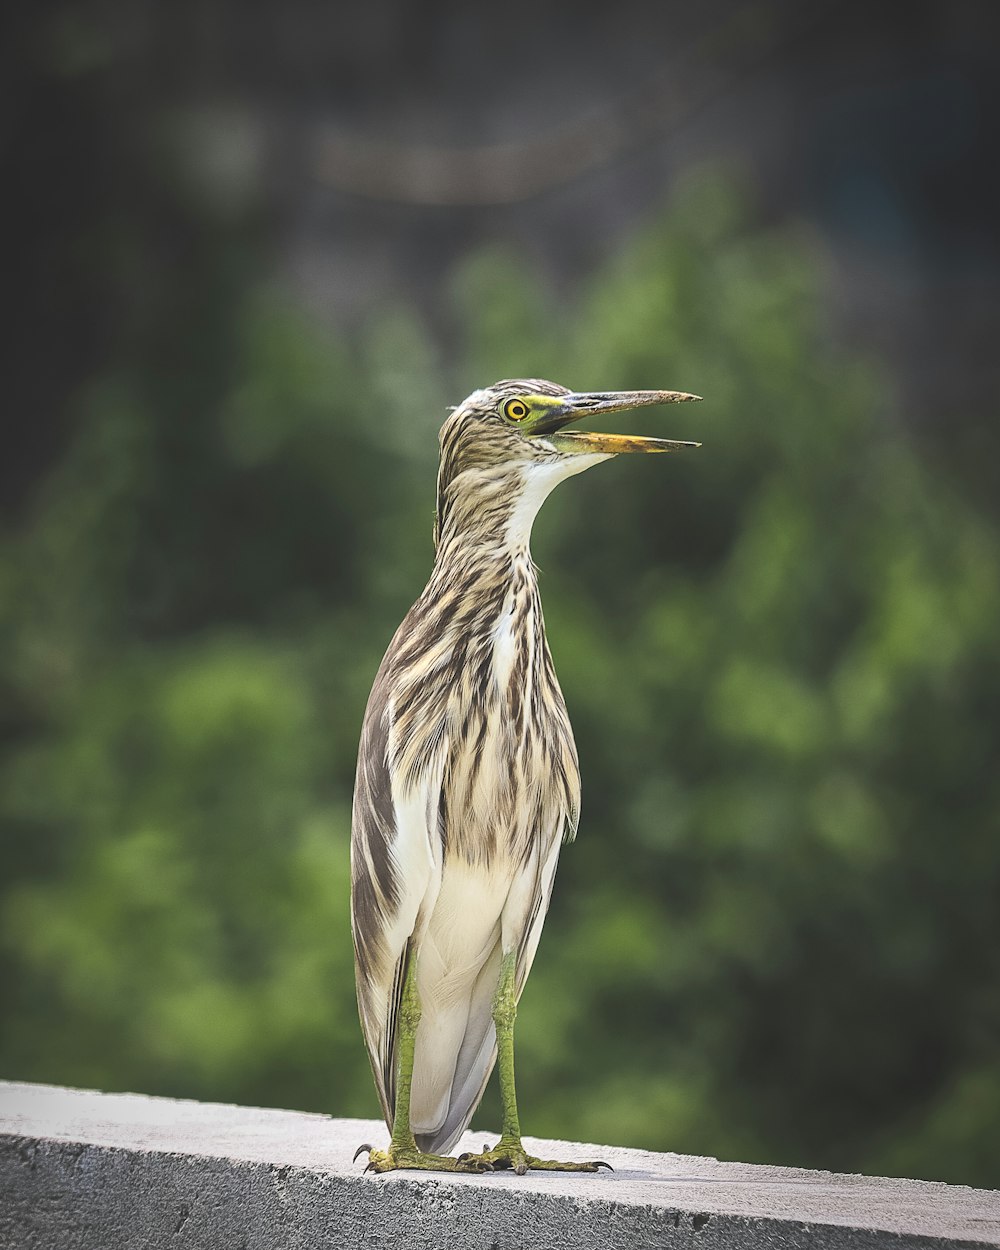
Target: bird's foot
509, 1153
406, 1156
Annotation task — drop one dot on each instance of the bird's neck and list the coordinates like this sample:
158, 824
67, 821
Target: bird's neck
486, 567
489, 515
489, 543
483, 565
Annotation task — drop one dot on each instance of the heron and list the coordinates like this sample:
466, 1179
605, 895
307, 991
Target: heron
468, 783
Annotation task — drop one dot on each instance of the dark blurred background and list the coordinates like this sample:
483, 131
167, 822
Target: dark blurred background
250, 254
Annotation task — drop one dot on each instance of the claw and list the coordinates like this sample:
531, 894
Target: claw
477, 1162
599, 1163
361, 1149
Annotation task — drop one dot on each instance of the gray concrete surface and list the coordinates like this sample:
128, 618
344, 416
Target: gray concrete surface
87, 1171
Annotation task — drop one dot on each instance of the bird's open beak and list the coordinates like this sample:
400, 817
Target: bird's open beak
578, 442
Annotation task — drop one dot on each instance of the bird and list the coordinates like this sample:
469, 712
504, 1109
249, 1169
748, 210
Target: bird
467, 781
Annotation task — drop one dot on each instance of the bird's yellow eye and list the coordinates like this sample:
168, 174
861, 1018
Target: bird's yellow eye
515, 409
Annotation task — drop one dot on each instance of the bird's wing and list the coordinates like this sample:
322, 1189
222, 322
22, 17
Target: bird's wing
394, 861
541, 896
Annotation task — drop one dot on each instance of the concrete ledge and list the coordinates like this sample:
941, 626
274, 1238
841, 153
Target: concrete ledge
90, 1171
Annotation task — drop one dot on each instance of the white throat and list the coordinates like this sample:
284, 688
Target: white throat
538, 480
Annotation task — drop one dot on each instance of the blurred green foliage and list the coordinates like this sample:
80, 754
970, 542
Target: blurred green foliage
778, 934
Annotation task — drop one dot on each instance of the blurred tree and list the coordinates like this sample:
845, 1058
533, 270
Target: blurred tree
777, 935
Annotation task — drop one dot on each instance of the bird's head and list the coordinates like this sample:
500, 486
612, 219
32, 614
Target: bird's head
506, 447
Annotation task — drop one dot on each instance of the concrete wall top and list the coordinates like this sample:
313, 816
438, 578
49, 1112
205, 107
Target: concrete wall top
82, 1170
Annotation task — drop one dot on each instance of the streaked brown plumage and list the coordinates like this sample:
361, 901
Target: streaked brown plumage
467, 780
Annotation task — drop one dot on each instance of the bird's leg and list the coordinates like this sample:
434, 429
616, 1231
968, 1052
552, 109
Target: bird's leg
403, 1151
509, 1151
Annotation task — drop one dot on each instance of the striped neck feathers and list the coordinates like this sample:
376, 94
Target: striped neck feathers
490, 511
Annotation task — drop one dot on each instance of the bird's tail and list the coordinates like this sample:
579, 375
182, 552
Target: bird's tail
455, 1048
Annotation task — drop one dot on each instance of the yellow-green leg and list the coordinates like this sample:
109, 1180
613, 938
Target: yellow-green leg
403, 1151
509, 1152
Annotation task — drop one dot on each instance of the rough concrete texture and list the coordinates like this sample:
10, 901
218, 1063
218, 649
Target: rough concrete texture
89, 1171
